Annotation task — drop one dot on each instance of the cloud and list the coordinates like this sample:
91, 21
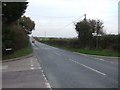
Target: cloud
52, 14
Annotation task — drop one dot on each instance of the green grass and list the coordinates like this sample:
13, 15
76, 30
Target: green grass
84, 51
97, 52
91, 52
23, 52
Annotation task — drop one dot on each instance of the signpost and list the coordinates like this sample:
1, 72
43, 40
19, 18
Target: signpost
97, 36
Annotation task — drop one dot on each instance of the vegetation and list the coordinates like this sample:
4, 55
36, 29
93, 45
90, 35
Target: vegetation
73, 45
19, 53
15, 28
12, 11
27, 24
86, 30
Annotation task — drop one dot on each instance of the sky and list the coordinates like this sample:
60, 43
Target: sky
55, 18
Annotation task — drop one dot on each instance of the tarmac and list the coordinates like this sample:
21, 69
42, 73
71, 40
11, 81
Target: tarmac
23, 72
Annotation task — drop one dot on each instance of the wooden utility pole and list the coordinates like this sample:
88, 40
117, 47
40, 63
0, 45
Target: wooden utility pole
85, 17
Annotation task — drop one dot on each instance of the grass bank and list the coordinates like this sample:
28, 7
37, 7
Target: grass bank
63, 43
23, 52
91, 52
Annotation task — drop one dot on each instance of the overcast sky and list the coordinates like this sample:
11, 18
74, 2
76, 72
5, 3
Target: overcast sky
51, 16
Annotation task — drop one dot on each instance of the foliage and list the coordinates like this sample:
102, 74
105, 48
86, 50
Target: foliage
27, 24
84, 33
106, 42
13, 36
72, 44
85, 30
19, 53
12, 11
96, 26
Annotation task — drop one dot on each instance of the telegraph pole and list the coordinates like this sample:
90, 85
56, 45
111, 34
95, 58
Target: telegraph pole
85, 17
45, 34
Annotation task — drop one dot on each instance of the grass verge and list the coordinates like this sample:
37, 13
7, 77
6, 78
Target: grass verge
23, 52
90, 52
109, 53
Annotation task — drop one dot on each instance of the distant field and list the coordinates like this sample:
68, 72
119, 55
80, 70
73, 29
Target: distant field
63, 43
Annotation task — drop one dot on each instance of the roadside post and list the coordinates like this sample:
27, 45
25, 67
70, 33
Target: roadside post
97, 38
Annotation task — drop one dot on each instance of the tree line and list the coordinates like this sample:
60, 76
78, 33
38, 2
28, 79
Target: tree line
15, 26
90, 36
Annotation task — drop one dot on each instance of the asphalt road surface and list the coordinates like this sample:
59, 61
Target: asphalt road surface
66, 69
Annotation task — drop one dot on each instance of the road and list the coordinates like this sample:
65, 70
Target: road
66, 69
23, 73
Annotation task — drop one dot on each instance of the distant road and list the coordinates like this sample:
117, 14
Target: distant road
65, 69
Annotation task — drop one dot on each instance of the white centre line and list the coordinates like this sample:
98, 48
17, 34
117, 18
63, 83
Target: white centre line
88, 67
32, 68
104, 60
80, 53
32, 65
99, 59
57, 53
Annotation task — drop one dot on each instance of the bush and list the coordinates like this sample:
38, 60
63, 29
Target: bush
13, 37
109, 42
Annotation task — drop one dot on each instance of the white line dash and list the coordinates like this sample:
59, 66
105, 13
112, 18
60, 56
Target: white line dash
100, 59
32, 68
93, 69
57, 53
87, 67
32, 65
80, 53
39, 68
48, 85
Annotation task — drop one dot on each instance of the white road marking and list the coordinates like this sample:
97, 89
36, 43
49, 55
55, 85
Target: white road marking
48, 85
80, 53
104, 60
57, 53
100, 59
93, 69
97, 56
46, 81
32, 68
87, 67
111, 62
3, 67
31, 61
32, 65
39, 68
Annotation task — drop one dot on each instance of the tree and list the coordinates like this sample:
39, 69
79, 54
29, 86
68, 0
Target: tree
84, 32
85, 29
96, 26
12, 11
12, 35
27, 24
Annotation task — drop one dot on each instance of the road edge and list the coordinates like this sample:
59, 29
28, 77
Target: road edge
94, 55
14, 59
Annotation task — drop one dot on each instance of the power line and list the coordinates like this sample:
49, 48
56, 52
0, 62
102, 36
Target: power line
55, 16
57, 30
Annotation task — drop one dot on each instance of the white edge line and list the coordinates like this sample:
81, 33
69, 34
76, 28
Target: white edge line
88, 67
57, 53
47, 83
93, 69
32, 68
96, 55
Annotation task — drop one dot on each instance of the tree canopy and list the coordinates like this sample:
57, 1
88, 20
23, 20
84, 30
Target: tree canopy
27, 24
85, 30
12, 11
